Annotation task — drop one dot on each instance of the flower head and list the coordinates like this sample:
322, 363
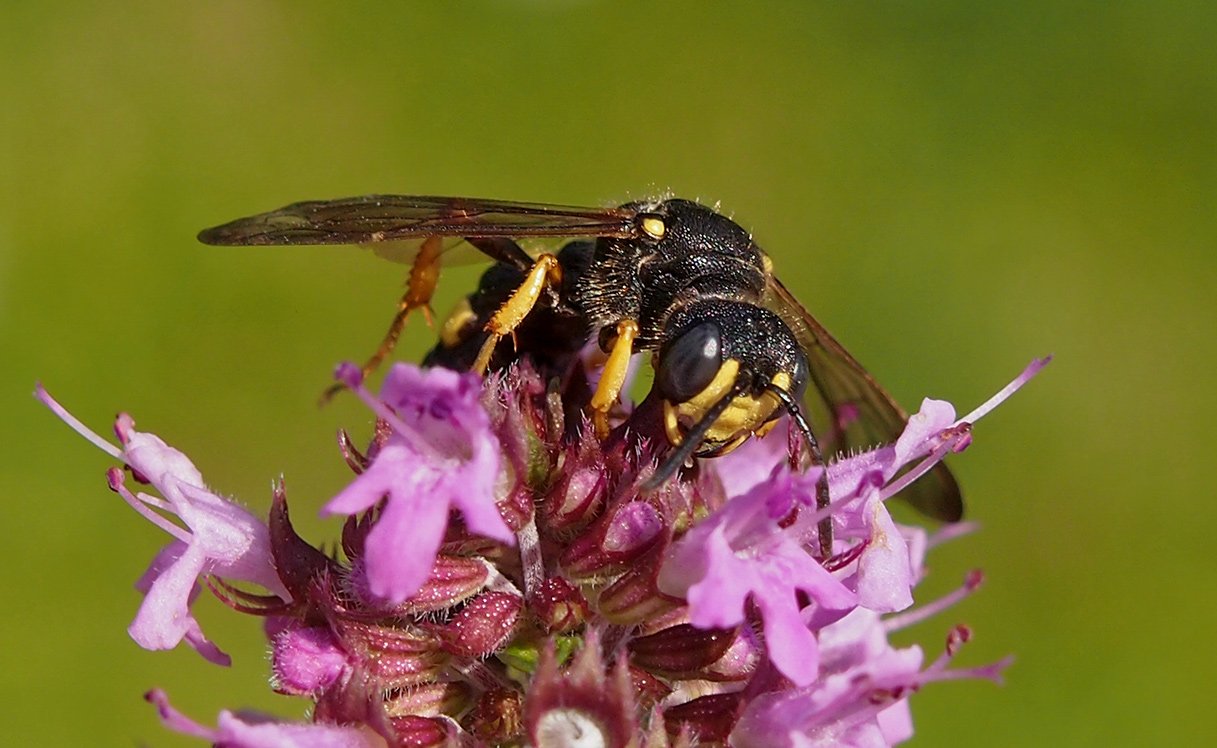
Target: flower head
507, 577
219, 537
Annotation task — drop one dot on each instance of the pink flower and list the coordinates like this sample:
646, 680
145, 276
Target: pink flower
219, 538
440, 454
749, 549
262, 731
860, 699
742, 552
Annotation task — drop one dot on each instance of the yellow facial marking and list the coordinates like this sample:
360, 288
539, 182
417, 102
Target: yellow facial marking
654, 227
729, 446
455, 323
765, 428
713, 392
671, 424
745, 415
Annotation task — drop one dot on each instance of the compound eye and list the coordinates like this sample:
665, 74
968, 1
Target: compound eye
689, 363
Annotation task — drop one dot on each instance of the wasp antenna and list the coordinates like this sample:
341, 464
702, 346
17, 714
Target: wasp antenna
817, 458
796, 414
691, 440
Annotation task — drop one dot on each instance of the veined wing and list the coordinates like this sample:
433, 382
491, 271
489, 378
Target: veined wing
849, 410
378, 218
394, 225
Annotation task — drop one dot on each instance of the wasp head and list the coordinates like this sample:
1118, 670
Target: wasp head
725, 371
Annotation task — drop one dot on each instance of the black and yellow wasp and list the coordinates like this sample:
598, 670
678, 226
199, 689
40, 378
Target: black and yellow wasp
731, 347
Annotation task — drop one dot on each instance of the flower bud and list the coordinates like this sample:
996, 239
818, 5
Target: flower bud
634, 597
394, 656
452, 579
615, 542
517, 506
681, 651
422, 732
520, 425
483, 626
498, 717
429, 699
648, 689
558, 606
710, 718
578, 494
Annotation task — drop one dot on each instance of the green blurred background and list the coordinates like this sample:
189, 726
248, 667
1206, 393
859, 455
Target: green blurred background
953, 187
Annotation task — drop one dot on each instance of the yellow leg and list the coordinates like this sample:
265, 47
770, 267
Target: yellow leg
612, 377
420, 286
545, 272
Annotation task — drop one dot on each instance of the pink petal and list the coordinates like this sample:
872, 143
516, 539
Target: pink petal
885, 571
402, 545
164, 619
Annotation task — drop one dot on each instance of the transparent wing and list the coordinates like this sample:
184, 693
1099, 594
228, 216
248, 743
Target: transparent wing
455, 250
849, 410
380, 218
